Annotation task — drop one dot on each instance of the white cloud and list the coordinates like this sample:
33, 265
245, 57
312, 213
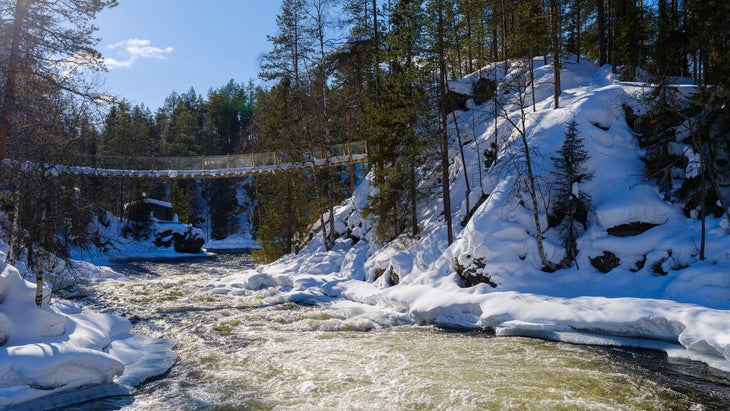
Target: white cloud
131, 50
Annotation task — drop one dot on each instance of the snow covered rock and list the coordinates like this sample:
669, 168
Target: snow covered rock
655, 291
48, 351
4, 329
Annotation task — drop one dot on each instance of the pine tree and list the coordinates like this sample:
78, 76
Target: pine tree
42, 34
397, 138
571, 204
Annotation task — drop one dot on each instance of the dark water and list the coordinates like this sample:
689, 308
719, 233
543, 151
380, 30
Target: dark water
245, 352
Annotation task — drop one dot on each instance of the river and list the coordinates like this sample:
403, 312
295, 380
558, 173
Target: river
243, 352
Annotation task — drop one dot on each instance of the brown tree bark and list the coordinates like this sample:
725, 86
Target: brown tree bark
554, 19
601, 20
21, 13
444, 133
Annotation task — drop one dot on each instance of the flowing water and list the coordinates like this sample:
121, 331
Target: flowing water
243, 352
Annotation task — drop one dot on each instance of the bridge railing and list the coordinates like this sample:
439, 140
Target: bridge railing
223, 162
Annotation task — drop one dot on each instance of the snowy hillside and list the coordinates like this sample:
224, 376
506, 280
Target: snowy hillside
655, 293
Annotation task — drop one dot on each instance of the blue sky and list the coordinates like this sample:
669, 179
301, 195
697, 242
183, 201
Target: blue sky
153, 47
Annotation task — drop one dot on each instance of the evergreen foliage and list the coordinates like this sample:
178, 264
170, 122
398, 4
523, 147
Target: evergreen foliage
571, 205
386, 83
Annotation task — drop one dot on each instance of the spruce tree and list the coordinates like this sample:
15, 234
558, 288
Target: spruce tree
397, 137
571, 204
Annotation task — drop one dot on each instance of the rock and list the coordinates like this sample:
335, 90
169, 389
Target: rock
630, 229
188, 242
454, 101
379, 272
484, 90
605, 262
5, 328
163, 239
474, 273
393, 278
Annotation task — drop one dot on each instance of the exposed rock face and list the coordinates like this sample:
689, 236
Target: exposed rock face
474, 273
392, 279
188, 241
481, 91
630, 229
605, 262
484, 90
5, 327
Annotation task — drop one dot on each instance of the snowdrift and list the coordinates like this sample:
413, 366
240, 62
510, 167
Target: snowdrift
656, 293
47, 354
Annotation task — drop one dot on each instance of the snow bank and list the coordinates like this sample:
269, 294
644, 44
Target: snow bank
659, 295
47, 353
159, 243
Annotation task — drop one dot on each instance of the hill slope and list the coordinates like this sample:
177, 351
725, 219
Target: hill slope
657, 293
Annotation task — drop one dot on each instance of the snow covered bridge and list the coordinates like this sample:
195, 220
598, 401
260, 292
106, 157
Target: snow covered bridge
210, 166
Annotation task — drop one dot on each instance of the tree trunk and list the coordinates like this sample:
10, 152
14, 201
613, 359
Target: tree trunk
521, 128
469, 41
15, 230
290, 211
614, 34
601, 19
463, 163
376, 44
533, 197
39, 278
504, 36
329, 242
444, 133
414, 200
554, 17
531, 66
39, 264
578, 19
703, 196
21, 13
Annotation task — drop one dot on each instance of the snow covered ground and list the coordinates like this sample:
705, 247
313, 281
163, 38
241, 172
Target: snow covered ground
112, 246
56, 355
660, 295
233, 243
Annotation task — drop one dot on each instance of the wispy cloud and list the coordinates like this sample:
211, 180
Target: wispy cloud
130, 50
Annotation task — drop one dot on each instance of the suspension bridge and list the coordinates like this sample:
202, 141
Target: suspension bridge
238, 165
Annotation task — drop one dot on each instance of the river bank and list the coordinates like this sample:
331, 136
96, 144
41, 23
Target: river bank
258, 350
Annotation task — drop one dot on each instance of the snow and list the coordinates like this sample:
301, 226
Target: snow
119, 248
47, 353
661, 296
234, 242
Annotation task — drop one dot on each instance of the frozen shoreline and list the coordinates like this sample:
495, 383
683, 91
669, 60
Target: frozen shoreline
57, 355
681, 330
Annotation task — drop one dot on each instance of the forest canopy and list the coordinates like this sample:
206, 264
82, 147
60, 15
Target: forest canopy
339, 71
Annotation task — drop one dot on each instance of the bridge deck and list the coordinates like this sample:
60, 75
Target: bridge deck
209, 166
203, 172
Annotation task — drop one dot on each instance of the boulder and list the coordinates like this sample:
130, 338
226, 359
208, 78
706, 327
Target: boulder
605, 262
